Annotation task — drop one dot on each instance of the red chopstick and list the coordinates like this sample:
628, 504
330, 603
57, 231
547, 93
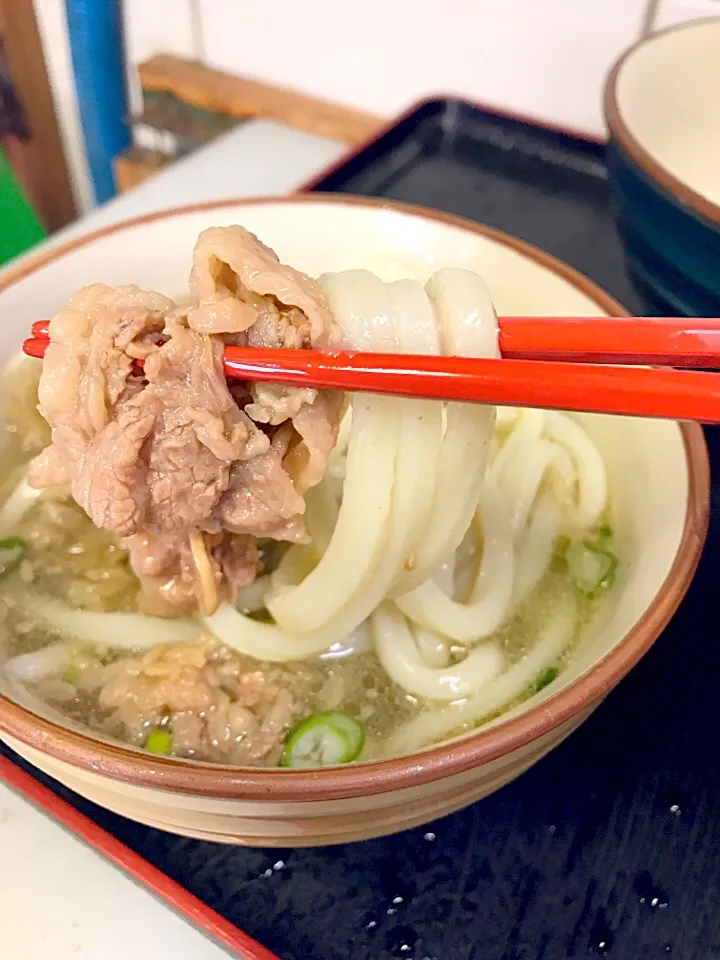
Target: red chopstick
631, 391
656, 341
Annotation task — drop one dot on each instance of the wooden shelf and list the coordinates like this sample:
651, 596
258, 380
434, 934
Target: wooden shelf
136, 165
229, 97
239, 97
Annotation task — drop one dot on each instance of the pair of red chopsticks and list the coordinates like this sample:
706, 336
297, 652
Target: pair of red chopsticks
553, 362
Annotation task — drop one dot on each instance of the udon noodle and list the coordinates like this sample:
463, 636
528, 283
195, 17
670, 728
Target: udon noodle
454, 555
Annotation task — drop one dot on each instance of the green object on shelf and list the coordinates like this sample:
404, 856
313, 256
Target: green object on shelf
19, 227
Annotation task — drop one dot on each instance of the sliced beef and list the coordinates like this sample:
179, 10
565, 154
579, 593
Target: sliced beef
189, 472
87, 365
230, 264
261, 498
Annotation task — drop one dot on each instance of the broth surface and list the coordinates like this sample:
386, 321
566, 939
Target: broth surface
212, 702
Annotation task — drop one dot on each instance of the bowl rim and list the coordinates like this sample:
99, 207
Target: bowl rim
621, 132
132, 767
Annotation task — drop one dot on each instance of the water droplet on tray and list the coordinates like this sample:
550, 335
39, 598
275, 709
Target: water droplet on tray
649, 893
601, 936
371, 921
393, 884
401, 942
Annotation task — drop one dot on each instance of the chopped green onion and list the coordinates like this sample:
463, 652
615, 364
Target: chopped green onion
323, 740
159, 741
352, 728
12, 550
603, 532
561, 545
72, 673
558, 562
592, 568
545, 678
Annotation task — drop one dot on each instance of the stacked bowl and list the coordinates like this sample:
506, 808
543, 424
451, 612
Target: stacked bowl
662, 105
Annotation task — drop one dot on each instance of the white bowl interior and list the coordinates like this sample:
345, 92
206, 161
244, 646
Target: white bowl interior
646, 460
649, 487
668, 94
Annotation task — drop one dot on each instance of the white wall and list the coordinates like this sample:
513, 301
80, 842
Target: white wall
544, 58
151, 26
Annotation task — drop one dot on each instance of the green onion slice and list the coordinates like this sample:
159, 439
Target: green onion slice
12, 550
545, 678
323, 740
592, 568
159, 741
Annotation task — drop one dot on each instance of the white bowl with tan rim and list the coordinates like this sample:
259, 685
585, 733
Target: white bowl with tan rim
659, 482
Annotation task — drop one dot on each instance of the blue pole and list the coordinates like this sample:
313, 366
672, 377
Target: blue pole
96, 47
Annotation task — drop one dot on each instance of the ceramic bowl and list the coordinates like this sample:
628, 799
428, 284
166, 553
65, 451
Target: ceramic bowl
659, 480
662, 105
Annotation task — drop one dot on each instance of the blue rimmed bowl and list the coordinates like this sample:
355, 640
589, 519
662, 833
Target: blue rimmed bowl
662, 106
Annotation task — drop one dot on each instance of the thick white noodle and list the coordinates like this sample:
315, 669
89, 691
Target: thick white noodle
361, 307
120, 631
434, 649
487, 606
521, 477
251, 599
506, 415
294, 565
436, 613
362, 521
383, 508
271, 642
535, 549
444, 576
263, 641
417, 466
357, 557
436, 724
343, 438
468, 327
592, 477
527, 426
398, 653
35, 666
20, 501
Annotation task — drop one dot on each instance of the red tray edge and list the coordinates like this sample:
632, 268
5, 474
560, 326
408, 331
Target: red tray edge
132, 864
